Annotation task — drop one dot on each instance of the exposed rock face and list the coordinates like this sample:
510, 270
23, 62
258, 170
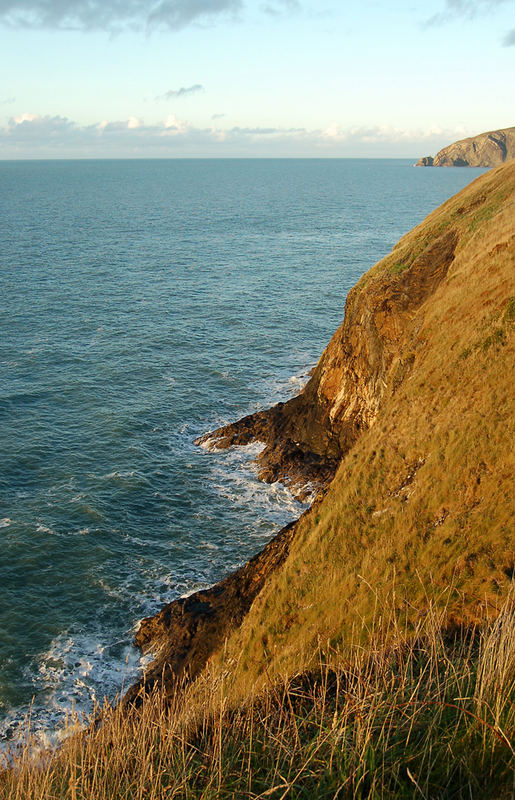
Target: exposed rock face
425, 161
307, 436
186, 632
486, 150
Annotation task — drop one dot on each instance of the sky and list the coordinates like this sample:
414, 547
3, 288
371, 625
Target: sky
252, 78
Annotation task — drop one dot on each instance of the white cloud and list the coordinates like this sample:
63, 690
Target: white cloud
112, 15
25, 118
277, 7
464, 9
32, 136
182, 92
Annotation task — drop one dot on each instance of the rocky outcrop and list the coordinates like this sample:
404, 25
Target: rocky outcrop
425, 161
307, 437
186, 632
486, 150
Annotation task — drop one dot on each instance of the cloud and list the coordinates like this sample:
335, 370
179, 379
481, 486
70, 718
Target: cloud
218, 116
112, 15
182, 92
7, 101
463, 9
34, 136
266, 131
509, 39
277, 7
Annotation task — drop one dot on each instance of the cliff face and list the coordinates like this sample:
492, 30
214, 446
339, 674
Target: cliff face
486, 150
306, 437
185, 633
406, 420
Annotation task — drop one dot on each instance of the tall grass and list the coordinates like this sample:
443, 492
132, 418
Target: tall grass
432, 716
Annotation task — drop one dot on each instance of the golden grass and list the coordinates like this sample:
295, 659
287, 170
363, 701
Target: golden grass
431, 716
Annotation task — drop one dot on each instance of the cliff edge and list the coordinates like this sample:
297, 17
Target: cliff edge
485, 150
307, 437
406, 426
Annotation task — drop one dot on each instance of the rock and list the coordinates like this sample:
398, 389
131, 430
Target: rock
185, 633
485, 150
307, 437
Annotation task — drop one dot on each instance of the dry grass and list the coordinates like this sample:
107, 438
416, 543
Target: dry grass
433, 717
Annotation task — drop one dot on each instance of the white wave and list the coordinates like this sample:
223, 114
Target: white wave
73, 675
115, 475
44, 529
195, 587
209, 444
5, 522
288, 386
235, 478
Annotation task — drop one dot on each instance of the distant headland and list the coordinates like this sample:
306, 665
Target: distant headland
489, 149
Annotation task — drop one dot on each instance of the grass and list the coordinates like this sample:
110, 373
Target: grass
398, 267
432, 716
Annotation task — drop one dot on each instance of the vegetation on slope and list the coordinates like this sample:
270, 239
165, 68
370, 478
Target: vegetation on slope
423, 500
432, 717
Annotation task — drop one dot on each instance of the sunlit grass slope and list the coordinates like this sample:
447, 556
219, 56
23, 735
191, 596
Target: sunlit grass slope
422, 505
431, 717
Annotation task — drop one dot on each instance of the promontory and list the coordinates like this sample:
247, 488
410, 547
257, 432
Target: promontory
485, 150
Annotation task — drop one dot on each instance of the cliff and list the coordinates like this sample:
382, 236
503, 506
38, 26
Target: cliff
485, 150
307, 437
405, 425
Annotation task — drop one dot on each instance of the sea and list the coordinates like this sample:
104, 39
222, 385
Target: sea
143, 303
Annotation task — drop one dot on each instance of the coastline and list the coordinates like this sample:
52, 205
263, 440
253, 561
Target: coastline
185, 633
366, 367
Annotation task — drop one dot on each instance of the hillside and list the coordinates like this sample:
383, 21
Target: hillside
410, 407
421, 508
485, 150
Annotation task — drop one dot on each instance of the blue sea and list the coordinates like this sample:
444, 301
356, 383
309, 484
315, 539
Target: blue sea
143, 303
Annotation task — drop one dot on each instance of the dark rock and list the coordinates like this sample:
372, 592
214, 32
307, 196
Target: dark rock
425, 161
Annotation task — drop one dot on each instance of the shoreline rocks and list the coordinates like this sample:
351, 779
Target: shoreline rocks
185, 633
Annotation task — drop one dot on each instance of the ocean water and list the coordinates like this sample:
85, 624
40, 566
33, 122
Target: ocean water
144, 303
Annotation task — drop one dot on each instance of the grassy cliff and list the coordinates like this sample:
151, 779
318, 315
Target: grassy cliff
369, 651
421, 508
